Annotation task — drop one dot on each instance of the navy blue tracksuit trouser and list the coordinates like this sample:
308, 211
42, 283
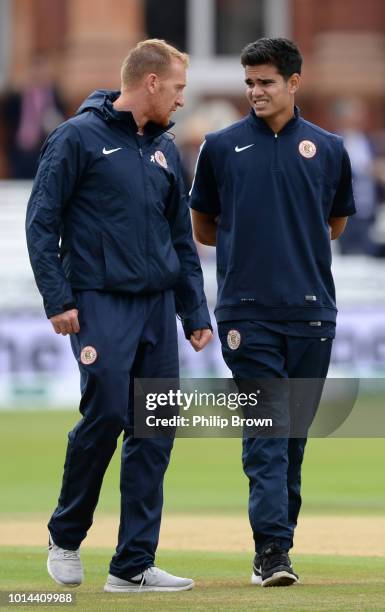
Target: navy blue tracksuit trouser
131, 337
273, 465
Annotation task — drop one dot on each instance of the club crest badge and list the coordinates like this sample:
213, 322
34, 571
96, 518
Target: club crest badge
88, 355
307, 148
160, 158
233, 339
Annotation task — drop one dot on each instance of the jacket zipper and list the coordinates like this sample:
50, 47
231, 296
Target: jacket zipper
276, 157
145, 213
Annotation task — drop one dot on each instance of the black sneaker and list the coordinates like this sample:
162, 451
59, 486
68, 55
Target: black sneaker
256, 576
276, 567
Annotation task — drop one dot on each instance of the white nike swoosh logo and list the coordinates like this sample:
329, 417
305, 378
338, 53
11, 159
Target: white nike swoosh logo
108, 151
239, 149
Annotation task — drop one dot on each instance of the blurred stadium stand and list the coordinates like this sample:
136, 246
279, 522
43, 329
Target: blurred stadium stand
339, 39
17, 287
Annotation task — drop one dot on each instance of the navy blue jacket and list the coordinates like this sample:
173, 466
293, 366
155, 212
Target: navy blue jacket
116, 203
273, 195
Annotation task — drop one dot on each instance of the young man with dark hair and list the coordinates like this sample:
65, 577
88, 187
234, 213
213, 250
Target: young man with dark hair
270, 192
110, 242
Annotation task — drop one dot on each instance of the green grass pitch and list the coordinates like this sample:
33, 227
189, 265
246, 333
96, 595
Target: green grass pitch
341, 476
222, 583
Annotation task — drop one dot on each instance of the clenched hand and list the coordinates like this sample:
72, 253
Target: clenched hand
199, 338
66, 322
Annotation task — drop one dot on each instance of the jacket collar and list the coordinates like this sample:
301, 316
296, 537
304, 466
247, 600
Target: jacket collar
151, 129
262, 125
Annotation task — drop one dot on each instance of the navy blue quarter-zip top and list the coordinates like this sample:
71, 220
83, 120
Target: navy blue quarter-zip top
115, 203
273, 195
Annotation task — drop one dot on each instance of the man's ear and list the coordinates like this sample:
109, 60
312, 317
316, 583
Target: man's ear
152, 82
293, 83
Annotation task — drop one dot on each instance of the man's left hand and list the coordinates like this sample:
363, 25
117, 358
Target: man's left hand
199, 338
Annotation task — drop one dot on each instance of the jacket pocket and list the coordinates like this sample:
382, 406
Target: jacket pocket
163, 259
123, 253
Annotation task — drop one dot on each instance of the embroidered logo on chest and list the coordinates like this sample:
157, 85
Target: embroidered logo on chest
307, 148
160, 159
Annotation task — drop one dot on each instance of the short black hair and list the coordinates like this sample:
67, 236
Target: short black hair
279, 52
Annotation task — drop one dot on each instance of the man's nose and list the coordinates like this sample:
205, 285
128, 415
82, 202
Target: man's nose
180, 100
257, 91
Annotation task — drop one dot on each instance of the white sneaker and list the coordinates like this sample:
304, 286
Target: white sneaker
152, 579
64, 566
256, 576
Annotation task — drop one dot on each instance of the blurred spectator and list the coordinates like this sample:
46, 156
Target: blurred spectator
351, 118
28, 116
207, 117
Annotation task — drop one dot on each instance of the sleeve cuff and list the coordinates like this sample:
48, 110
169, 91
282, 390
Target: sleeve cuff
200, 319
52, 312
